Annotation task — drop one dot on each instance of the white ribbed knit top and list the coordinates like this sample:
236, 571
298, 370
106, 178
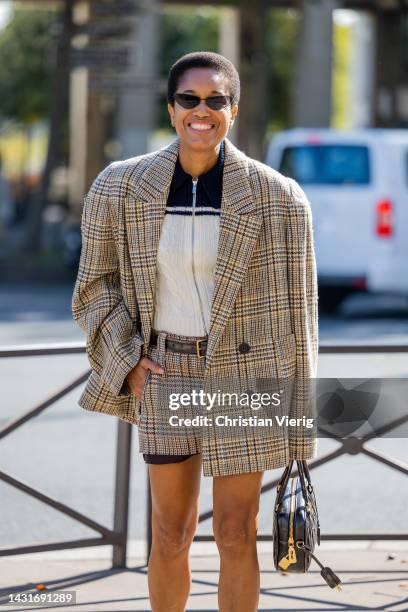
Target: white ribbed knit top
187, 253
185, 272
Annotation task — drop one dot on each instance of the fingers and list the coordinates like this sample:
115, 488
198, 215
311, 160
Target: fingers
148, 364
138, 381
139, 374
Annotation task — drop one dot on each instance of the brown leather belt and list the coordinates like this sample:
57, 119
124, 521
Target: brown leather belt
191, 347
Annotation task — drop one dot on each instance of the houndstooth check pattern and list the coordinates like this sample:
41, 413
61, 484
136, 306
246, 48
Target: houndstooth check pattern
265, 293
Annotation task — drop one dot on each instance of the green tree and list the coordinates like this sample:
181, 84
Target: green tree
34, 77
26, 53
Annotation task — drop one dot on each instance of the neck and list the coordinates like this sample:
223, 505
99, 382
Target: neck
197, 162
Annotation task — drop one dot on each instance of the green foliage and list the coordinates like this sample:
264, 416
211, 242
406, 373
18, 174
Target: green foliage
282, 29
26, 46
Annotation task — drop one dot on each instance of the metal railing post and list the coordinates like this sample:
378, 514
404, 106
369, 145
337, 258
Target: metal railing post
122, 485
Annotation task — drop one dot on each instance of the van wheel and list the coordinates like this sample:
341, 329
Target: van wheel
330, 298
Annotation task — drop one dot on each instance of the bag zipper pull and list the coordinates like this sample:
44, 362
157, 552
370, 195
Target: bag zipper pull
289, 558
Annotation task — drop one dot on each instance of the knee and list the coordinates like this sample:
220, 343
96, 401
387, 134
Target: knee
172, 539
233, 534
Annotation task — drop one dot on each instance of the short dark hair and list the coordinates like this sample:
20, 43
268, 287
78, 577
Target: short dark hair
203, 59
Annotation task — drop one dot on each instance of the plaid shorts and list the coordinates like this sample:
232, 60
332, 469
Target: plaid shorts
159, 442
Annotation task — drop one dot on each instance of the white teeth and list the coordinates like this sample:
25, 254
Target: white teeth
200, 126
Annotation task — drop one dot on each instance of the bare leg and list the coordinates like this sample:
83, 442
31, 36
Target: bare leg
175, 491
236, 518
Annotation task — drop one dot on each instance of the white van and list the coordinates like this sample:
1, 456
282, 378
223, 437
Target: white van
357, 184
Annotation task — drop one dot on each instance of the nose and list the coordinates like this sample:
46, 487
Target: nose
202, 108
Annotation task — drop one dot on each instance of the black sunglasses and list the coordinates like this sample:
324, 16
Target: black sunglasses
213, 102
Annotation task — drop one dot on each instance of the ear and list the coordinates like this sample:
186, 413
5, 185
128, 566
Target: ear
170, 110
234, 112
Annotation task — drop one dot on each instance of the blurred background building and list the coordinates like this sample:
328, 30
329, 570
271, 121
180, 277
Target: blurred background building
83, 83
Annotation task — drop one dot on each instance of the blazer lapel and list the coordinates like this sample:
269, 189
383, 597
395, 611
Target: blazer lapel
239, 228
144, 217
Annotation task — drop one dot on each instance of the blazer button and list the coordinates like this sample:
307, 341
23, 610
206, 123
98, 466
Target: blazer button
244, 347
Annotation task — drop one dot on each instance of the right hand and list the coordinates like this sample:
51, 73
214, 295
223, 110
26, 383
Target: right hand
136, 377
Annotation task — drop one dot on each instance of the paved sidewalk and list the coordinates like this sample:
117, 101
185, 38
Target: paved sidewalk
374, 578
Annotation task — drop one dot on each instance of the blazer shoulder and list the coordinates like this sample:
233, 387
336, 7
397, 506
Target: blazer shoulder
267, 180
119, 175
299, 203
271, 184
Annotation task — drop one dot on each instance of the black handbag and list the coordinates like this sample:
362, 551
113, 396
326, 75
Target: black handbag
296, 527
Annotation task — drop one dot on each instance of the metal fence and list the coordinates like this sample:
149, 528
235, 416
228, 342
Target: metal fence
117, 536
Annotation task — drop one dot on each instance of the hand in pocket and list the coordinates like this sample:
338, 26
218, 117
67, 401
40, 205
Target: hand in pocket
136, 377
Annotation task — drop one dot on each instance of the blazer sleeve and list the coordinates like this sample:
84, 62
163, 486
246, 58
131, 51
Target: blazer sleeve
303, 296
113, 344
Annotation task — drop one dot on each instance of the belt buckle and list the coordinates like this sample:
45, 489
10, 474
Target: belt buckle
198, 347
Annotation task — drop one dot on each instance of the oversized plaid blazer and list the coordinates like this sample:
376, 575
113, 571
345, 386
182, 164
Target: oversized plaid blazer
265, 291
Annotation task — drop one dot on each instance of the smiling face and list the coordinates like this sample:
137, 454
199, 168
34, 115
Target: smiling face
202, 128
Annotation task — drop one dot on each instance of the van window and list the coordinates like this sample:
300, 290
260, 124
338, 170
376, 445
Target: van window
320, 164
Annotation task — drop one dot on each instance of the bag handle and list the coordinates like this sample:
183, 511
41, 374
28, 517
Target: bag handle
283, 482
302, 481
305, 467
303, 471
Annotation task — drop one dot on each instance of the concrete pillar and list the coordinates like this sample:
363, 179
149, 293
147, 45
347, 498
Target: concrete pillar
138, 105
78, 108
253, 75
391, 76
229, 47
311, 105
362, 71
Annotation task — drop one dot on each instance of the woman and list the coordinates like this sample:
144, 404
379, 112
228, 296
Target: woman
197, 271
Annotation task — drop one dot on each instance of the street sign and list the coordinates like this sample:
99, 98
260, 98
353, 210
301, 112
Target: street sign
95, 43
108, 57
146, 85
112, 58
106, 29
118, 7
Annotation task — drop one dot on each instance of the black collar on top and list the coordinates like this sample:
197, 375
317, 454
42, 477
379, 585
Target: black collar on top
209, 186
